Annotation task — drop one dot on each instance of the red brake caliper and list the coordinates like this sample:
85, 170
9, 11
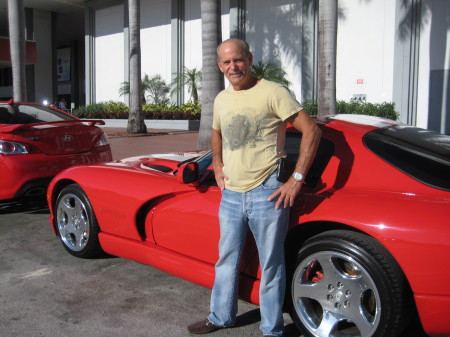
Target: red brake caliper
313, 273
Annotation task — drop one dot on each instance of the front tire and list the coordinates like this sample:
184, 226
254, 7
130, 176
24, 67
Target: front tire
75, 223
346, 284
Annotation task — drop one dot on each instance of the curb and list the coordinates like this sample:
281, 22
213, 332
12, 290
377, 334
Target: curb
182, 124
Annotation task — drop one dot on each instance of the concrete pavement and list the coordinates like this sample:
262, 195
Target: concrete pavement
155, 141
45, 291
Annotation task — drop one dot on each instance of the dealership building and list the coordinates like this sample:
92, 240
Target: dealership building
388, 50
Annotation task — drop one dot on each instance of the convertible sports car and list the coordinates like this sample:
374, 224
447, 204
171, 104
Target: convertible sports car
369, 240
37, 141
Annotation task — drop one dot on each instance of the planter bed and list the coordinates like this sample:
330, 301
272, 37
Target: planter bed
173, 124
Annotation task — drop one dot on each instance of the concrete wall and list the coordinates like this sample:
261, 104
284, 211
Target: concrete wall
274, 34
43, 68
434, 96
109, 53
365, 53
422, 63
388, 51
41, 74
156, 39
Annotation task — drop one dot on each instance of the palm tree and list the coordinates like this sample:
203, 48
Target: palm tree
125, 90
212, 78
191, 78
155, 86
157, 89
16, 19
327, 57
269, 72
136, 122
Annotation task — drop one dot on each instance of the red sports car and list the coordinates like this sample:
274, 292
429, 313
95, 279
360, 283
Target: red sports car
37, 141
369, 240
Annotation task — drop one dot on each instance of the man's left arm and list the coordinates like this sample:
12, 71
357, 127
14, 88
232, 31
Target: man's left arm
308, 147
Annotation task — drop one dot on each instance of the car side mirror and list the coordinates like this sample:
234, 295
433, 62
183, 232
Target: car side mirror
188, 173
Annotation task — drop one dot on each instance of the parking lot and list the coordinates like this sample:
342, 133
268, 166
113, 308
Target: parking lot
44, 291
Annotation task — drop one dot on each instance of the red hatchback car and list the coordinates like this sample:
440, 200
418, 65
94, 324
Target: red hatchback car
368, 247
37, 142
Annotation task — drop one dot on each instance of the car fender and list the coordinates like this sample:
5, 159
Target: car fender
404, 233
117, 193
398, 221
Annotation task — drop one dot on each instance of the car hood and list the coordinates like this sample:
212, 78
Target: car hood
172, 156
166, 163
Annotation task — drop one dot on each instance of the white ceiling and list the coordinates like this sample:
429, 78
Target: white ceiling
58, 6
73, 8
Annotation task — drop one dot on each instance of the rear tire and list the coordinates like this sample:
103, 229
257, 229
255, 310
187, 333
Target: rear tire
347, 284
75, 222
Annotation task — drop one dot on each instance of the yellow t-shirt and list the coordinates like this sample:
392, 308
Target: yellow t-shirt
253, 125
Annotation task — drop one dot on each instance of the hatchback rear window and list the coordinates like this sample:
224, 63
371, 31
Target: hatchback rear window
28, 114
422, 154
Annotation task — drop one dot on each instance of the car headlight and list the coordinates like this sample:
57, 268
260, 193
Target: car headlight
9, 148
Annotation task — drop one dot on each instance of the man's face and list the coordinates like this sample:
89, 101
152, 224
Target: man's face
235, 65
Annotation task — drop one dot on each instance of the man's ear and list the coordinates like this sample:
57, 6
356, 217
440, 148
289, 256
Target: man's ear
250, 58
218, 64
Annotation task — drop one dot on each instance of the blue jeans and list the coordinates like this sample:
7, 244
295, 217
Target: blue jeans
237, 213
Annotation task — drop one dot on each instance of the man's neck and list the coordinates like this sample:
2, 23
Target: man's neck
250, 84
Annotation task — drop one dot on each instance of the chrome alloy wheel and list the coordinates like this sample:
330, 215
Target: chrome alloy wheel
73, 222
334, 295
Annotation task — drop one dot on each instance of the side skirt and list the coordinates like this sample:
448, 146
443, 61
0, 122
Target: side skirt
179, 265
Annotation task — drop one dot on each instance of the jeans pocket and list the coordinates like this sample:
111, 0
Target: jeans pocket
271, 183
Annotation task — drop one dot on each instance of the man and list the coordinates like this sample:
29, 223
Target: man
247, 142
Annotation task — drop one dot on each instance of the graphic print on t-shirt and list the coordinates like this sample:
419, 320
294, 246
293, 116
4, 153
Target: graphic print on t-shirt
241, 130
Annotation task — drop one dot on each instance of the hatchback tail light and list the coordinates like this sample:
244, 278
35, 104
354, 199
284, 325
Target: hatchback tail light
10, 148
103, 140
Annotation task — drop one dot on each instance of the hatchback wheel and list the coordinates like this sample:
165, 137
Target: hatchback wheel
347, 284
75, 222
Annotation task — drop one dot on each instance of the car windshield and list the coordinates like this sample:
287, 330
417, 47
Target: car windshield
421, 154
204, 161
28, 114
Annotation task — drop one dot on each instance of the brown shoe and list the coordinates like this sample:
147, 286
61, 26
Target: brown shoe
203, 327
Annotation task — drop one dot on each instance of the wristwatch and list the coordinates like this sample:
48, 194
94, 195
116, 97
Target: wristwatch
299, 177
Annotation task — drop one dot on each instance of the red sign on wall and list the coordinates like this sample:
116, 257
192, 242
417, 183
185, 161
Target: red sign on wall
5, 54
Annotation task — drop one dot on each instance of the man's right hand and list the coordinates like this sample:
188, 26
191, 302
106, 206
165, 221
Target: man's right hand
220, 176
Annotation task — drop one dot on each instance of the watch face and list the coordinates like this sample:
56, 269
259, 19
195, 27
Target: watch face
298, 176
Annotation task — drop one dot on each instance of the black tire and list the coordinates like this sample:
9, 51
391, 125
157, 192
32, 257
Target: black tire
75, 223
346, 284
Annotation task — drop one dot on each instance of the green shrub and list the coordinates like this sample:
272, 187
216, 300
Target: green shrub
103, 110
79, 112
119, 110
310, 106
113, 110
385, 109
90, 111
183, 111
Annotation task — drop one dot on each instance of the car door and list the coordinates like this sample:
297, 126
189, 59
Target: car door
187, 223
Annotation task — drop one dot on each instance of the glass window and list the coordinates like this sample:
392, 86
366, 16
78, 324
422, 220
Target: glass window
28, 114
6, 77
323, 155
421, 154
